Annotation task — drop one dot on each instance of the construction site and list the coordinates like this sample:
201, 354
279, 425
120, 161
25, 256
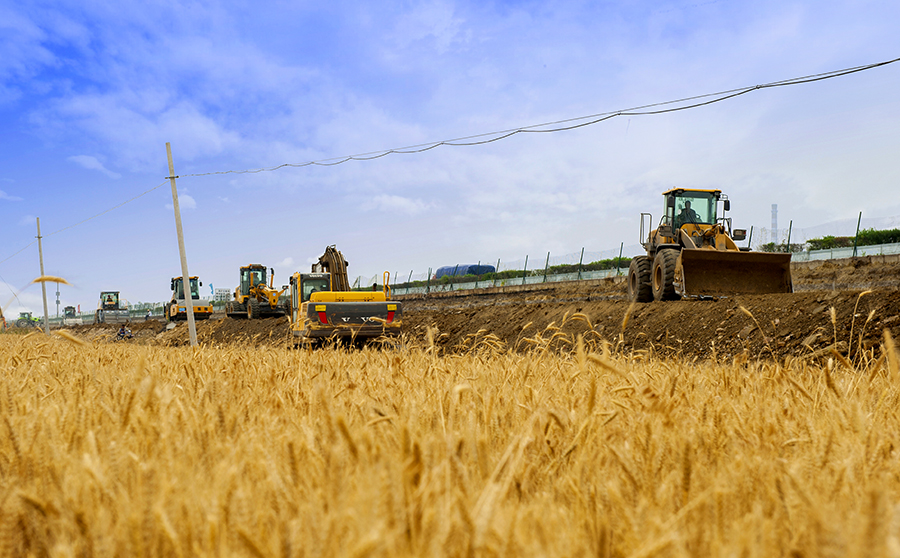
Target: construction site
863, 294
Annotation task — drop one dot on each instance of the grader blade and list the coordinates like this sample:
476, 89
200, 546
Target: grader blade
724, 273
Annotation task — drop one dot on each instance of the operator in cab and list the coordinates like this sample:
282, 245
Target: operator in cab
686, 216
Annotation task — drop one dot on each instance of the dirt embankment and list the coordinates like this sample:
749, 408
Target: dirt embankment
780, 325
214, 332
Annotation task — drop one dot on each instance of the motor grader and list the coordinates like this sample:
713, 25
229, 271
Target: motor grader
322, 306
253, 298
692, 254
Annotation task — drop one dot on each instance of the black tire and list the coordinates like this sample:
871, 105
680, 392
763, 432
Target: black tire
639, 280
663, 278
253, 309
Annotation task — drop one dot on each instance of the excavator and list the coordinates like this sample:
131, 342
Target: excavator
692, 254
177, 310
322, 306
253, 298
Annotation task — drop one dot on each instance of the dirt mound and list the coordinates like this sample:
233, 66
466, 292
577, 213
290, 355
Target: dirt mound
228, 331
870, 272
213, 332
777, 325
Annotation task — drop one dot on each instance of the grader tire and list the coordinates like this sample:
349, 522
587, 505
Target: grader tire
663, 276
639, 280
253, 311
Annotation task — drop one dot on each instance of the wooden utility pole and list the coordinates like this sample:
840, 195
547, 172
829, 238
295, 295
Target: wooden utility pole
43, 285
186, 278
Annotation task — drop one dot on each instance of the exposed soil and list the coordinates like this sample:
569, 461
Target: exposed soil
777, 325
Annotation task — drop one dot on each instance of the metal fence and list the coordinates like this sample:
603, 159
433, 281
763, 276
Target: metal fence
839, 253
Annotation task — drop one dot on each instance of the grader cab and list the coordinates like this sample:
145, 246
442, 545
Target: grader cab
253, 298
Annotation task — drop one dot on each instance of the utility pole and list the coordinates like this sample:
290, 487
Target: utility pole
186, 278
43, 285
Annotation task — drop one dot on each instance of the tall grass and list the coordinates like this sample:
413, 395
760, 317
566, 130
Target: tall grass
112, 449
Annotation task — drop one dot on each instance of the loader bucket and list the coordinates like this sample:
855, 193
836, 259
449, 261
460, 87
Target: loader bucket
724, 273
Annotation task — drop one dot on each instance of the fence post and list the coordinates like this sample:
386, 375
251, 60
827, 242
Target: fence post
619, 261
856, 238
428, 282
525, 271
790, 228
546, 266
750, 240
496, 272
579, 263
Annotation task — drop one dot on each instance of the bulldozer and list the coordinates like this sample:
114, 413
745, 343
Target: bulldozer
253, 298
692, 254
322, 306
177, 310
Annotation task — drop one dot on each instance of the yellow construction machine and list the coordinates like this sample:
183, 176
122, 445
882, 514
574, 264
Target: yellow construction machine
176, 309
253, 298
322, 305
692, 254
111, 309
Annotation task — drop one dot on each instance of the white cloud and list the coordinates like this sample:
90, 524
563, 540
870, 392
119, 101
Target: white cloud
7, 197
185, 201
92, 163
388, 202
287, 262
28, 220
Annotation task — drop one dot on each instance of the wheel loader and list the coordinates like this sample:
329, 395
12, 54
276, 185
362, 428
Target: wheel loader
692, 254
253, 298
176, 309
322, 305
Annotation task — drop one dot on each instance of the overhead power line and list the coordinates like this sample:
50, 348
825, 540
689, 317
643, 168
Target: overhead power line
490, 137
570, 123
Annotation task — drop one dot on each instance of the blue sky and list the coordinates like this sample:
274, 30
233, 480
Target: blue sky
90, 92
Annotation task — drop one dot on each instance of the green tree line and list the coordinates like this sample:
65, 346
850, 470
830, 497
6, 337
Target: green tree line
867, 237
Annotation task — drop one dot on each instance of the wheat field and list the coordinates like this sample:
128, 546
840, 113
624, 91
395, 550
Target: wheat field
127, 450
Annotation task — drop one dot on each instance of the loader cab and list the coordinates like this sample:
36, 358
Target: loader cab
252, 275
69, 311
683, 207
178, 288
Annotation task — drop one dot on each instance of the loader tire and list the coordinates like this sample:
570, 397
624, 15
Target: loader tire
663, 278
253, 309
639, 280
